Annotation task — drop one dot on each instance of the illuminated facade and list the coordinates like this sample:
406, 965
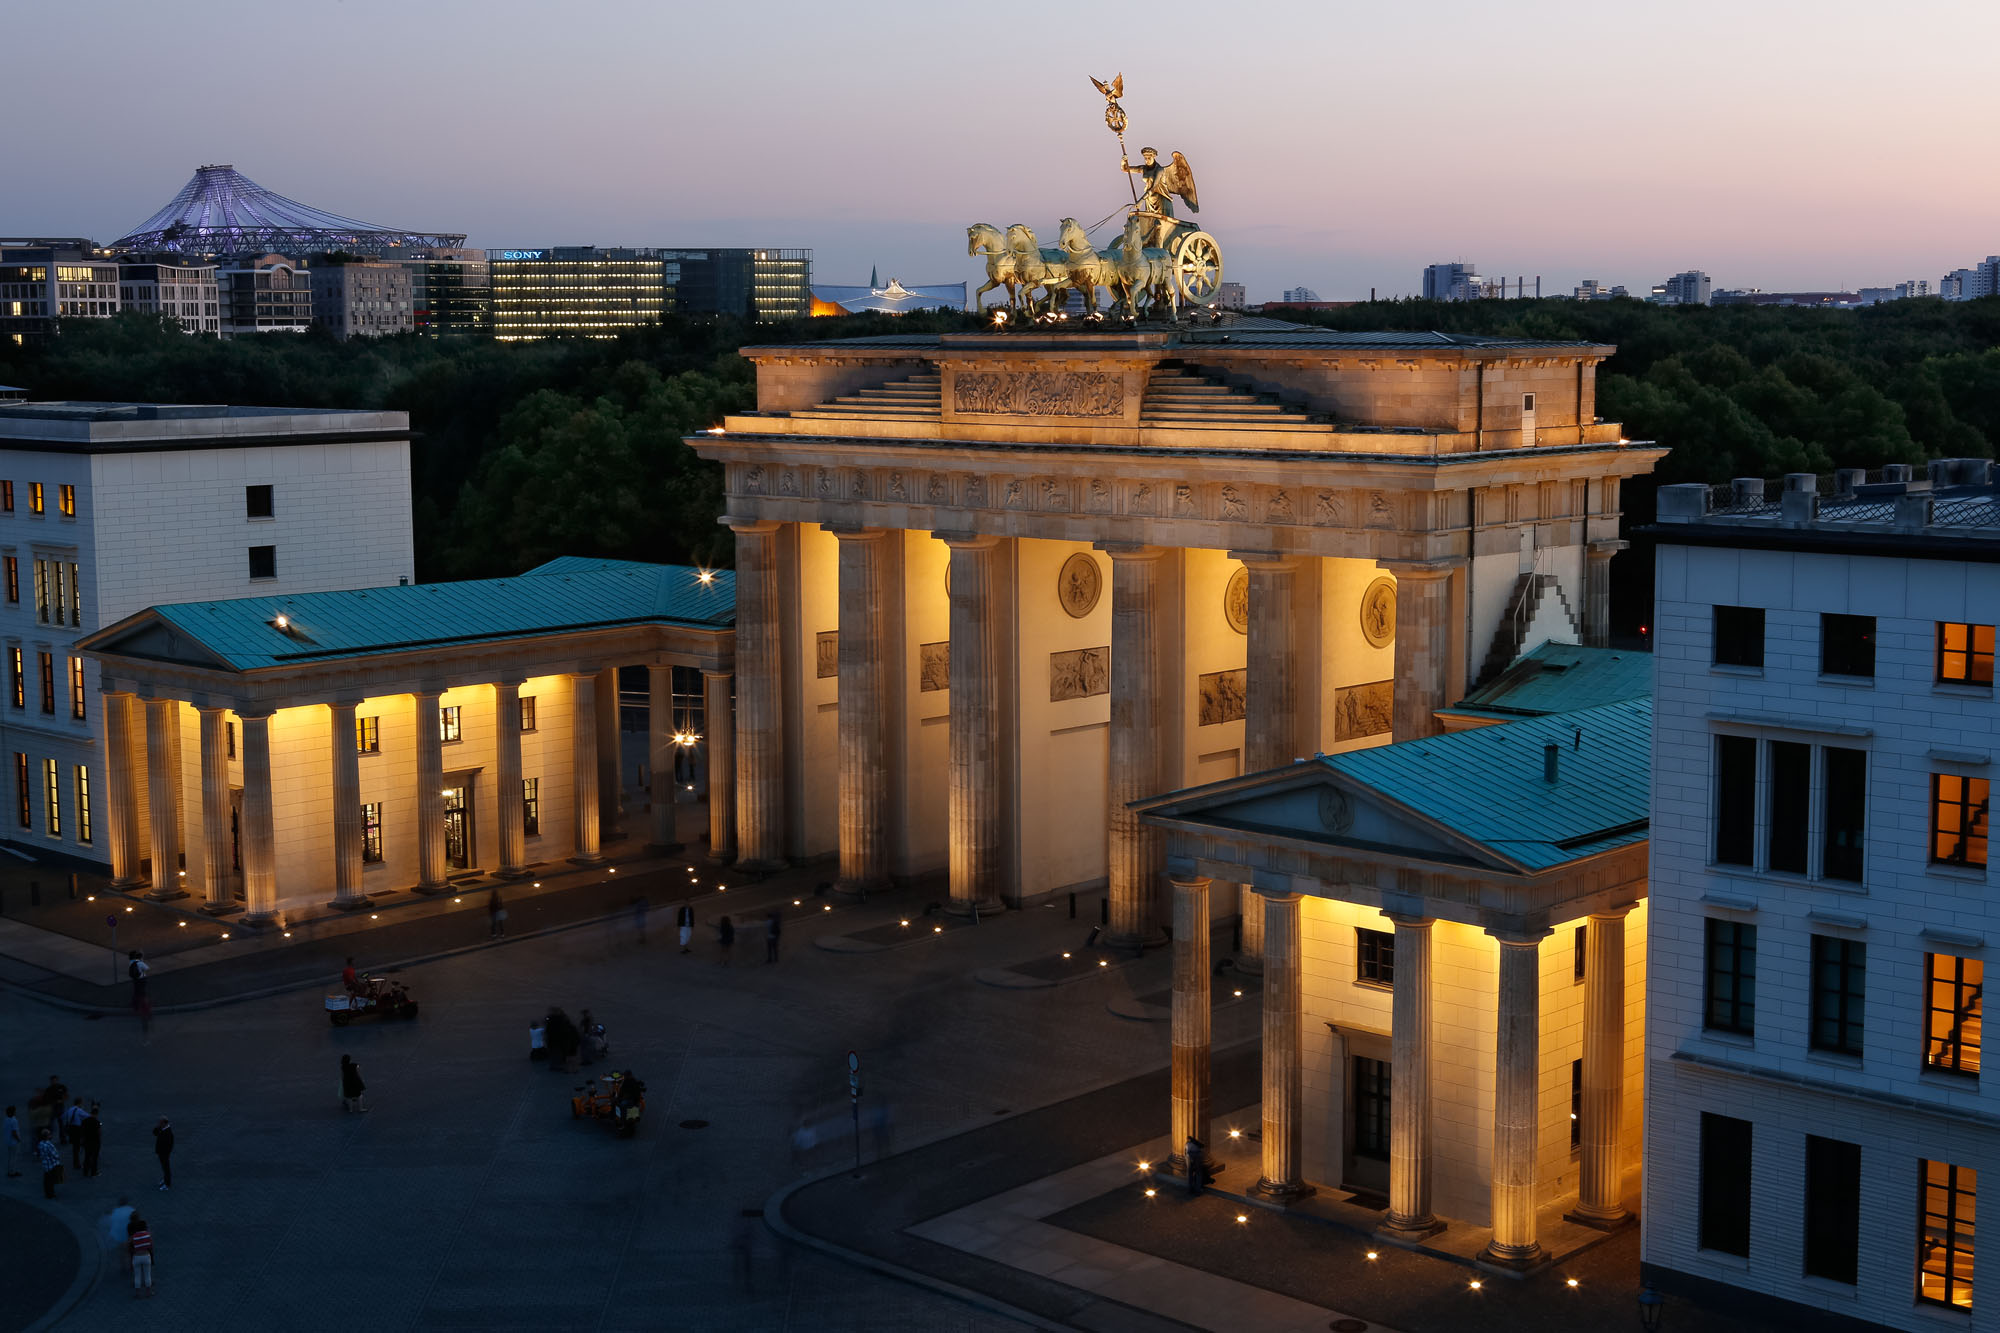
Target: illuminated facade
576, 291
267, 294
360, 299
183, 292
43, 283
451, 292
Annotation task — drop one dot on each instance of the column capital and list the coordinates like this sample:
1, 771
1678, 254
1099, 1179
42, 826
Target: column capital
968, 541
1406, 921
1617, 913
1276, 561
1423, 569
1274, 895
1520, 937
1190, 883
744, 526
505, 683
255, 713
856, 532
350, 701
1130, 550
717, 673
1605, 548
427, 693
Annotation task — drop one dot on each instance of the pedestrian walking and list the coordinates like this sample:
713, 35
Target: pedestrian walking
117, 1226
350, 978
93, 1138
496, 916
10, 1130
51, 1160
774, 925
685, 920
137, 969
351, 1086
163, 1148
139, 1246
45, 1108
639, 917
72, 1120
725, 931
1196, 1155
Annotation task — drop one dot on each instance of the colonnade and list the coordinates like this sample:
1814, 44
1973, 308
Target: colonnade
1517, 1066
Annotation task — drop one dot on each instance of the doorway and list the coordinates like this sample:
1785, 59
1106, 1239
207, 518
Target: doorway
458, 843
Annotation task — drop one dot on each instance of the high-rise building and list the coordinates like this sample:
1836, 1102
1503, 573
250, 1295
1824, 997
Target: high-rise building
1455, 282
40, 284
1298, 295
451, 292
579, 290
755, 284
264, 294
183, 291
1593, 290
1689, 288
1966, 284
360, 299
1902, 291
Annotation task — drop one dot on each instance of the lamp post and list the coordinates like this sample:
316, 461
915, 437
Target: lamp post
1651, 1306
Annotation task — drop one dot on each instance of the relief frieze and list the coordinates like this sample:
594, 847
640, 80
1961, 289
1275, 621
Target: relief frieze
1040, 393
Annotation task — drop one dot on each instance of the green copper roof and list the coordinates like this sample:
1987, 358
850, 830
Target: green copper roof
568, 594
1560, 678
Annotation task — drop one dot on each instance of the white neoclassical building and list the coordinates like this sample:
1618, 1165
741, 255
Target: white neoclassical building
279, 753
1004, 584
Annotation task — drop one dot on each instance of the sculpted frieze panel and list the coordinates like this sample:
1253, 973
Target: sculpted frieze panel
1184, 501
937, 490
1099, 501
753, 479
1233, 506
1330, 509
1079, 673
899, 489
1016, 496
1145, 499
857, 485
1039, 393
1054, 496
975, 493
1278, 508
788, 482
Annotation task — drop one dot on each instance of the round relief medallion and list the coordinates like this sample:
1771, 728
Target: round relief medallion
1079, 585
1335, 814
1378, 613
1236, 601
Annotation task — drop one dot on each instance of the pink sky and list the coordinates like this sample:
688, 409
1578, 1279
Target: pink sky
1339, 146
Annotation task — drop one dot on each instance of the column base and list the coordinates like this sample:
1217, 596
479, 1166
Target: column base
975, 908
127, 884
1135, 944
1176, 1165
513, 872
857, 890
166, 895
1514, 1258
1249, 967
430, 890
1410, 1232
586, 859
260, 920
220, 909
1614, 1222
361, 904
721, 858
1281, 1192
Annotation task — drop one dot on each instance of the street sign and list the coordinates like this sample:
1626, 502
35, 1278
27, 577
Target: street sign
854, 1103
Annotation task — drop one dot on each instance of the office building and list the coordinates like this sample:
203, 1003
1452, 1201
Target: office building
755, 284
1298, 296
451, 292
40, 284
1232, 296
1967, 284
1455, 282
1817, 1123
1689, 288
1593, 290
107, 508
360, 299
183, 292
576, 291
1902, 291
264, 294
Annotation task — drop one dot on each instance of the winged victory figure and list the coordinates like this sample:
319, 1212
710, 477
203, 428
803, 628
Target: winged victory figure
1163, 181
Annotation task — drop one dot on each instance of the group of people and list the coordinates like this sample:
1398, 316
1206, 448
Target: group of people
725, 933
55, 1121
125, 1230
566, 1043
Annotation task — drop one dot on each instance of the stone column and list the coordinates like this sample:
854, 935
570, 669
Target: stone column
1516, 1072
121, 790
430, 793
974, 769
584, 807
162, 720
215, 813
507, 778
347, 829
1138, 747
1423, 646
1272, 733
864, 711
1250, 954
1410, 1143
1598, 1203
260, 842
1597, 595
1283, 1065
610, 759
719, 734
660, 755
1192, 1017
760, 759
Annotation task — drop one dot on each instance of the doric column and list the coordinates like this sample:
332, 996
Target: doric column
610, 759
760, 759
1250, 916
162, 720
260, 842
177, 765
584, 808
215, 813
1598, 1202
1137, 744
1272, 731
507, 777
719, 734
864, 710
1192, 1017
121, 789
1284, 995
347, 828
1516, 1069
430, 792
973, 796
1410, 1083
660, 755
1423, 646
1597, 595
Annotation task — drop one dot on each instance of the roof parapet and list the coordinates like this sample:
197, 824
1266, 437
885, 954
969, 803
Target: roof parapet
1958, 496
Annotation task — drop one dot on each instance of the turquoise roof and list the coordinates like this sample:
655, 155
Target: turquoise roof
1486, 784
1560, 678
572, 593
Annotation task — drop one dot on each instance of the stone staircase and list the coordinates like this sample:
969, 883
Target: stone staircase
1522, 609
1178, 397
918, 398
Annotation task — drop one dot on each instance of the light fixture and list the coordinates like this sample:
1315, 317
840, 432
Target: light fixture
795, 902
706, 576
458, 900
1065, 955
281, 621
225, 934
90, 897
1242, 1219
612, 871
1570, 1283
128, 909
288, 934
906, 923
1239, 995
373, 917
1102, 963
1145, 1166
182, 873
935, 930
538, 884
1652, 1306
1150, 1192
827, 908
180, 923
1371, 1255
1235, 1133
446, 792
715, 430
1476, 1284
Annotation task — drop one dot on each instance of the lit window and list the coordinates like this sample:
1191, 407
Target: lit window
1958, 820
66, 500
531, 807
18, 677
1375, 957
6, 497
35, 503
52, 795
13, 563
47, 662
368, 735
82, 803
1954, 988
1944, 1235
1964, 654
371, 832
448, 729
76, 698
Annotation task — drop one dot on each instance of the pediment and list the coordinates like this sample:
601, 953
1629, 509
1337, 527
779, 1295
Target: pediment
155, 639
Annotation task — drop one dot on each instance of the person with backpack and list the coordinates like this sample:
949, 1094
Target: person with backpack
139, 1246
51, 1160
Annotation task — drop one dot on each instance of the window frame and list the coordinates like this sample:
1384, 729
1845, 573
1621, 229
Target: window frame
1375, 957
66, 500
1723, 1202
1967, 998
1837, 1024
37, 499
531, 807
368, 734
250, 498
1836, 655
1970, 655
23, 796
451, 724
1972, 812
268, 553
13, 566
1832, 1215
52, 798
1374, 1102
81, 779
1796, 808
1741, 636
1953, 1192
17, 666
1740, 1005
78, 705
371, 833
527, 713
45, 663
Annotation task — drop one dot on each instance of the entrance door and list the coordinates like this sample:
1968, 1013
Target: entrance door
1368, 1161
458, 827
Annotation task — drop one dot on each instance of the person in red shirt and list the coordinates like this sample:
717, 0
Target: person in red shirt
139, 1245
348, 977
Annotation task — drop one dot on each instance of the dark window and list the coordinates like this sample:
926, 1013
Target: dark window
1375, 952
7, 496
1833, 1209
14, 578
263, 562
1846, 645
1954, 988
368, 735
528, 713
1724, 1212
1944, 1235
1576, 1103
1846, 813
1371, 1108
448, 723
1735, 800
1739, 636
531, 807
82, 803
1790, 800
1958, 819
47, 662
1965, 654
1731, 977
23, 807
371, 830
1582, 936
229, 728
257, 502
1839, 984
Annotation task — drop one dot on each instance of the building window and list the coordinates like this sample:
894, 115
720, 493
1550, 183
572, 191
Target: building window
1965, 654
1846, 645
371, 832
76, 688
6, 497
1794, 777
1735, 800
1839, 983
1954, 988
1958, 820
52, 796
47, 662
528, 712
1789, 793
263, 562
75, 599
66, 501
368, 735
82, 803
1576, 1104
1739, 636
1375, 957
14, 579
1846, 809
1833, 1209
23, 808
1944, 1237
35, 505
42, 591
1731, 977
229, 729
257, 502
18, 677
1371, 1108
531, 807
1581, 937
1723, 1214
448, 729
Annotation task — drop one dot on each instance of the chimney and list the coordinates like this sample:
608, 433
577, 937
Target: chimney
1550, 755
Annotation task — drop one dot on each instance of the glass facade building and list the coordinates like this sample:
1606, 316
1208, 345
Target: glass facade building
756, 284
451, 292
600, 292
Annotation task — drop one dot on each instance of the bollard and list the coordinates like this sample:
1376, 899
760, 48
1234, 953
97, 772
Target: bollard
72, 886
1104, 910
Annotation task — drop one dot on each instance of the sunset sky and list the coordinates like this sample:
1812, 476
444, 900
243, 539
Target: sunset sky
1339, 146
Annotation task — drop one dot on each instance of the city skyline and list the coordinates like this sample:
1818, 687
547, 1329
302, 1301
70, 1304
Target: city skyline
1353, 174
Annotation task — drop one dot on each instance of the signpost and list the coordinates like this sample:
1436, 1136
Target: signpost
854, 1099
112, 921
